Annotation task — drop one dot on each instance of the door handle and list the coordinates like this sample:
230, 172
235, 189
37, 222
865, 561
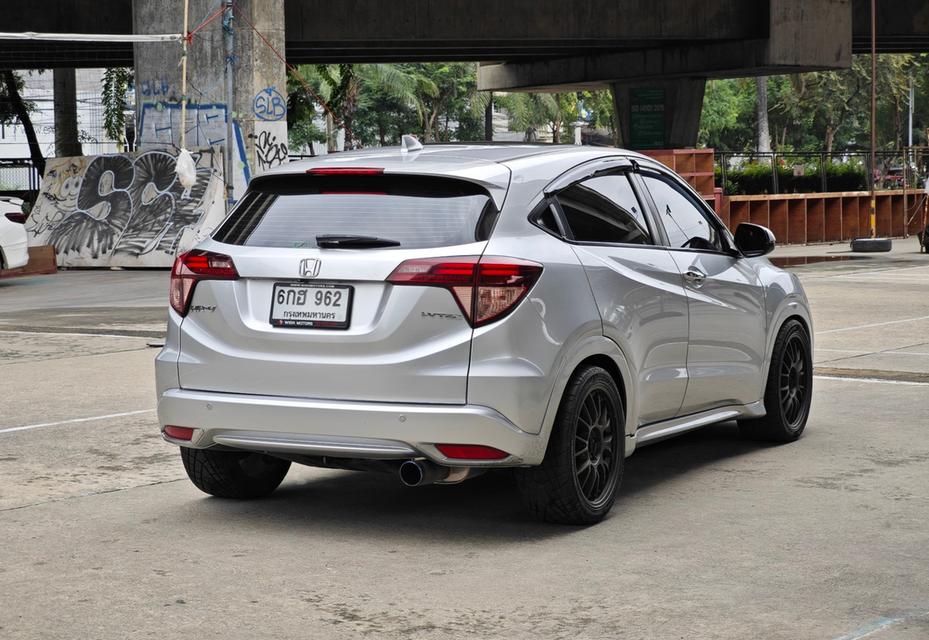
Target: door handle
695, 277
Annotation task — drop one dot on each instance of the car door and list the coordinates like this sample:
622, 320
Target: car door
727, 333
636, 284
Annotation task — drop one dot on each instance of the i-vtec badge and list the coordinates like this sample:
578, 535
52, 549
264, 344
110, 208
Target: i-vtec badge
309, 267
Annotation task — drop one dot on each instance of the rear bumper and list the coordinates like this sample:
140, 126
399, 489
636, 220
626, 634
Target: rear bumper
344, 429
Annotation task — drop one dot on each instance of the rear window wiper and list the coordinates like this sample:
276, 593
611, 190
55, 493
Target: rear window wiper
353, 242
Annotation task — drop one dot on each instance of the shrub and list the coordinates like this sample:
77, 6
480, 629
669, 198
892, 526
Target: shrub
755, 179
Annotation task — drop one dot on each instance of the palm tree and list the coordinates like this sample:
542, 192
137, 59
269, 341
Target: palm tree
530, 111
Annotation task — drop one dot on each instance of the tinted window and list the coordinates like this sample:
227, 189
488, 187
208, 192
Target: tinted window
594, 216
684, 220
286, 213
618, 189
546, 220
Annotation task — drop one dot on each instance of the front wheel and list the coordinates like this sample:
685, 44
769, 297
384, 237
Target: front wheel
233, 474
789, 389
578, 480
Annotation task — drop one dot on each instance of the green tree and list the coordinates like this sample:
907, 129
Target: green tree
116, 82
727, 120
530, 112
821, 111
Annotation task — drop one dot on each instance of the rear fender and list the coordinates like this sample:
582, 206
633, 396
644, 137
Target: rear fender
586, 348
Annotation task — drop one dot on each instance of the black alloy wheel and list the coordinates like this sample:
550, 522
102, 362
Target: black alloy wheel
579, 478
793, 385
789, 390
594, 446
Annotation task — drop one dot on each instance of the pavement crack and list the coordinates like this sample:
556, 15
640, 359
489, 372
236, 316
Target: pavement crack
89, 495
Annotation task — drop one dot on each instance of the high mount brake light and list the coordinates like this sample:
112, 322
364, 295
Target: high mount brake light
192, 267
485, 288
344, 171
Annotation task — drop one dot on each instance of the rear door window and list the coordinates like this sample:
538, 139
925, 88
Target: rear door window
416, 212
604, 210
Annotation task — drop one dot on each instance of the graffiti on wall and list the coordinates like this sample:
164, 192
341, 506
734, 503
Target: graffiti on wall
160, 128
269, 104
156, 87
125, 209
270, 145
160, 123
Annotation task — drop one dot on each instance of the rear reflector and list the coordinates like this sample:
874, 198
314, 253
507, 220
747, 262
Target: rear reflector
344, 171
471, 452
179, 433
192, 267
486, 288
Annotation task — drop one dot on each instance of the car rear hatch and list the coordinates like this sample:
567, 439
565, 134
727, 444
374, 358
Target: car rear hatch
299, 303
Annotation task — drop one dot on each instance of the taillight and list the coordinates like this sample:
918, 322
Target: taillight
486, 288
16, 216
192, 267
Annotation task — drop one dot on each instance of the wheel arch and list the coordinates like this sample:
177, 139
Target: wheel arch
599, 351
792, 308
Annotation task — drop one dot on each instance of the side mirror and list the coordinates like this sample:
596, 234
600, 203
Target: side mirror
753, 240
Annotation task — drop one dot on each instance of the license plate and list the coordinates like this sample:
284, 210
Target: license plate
311, 306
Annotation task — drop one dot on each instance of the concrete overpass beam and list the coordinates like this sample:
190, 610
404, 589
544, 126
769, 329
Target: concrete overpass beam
803, 36
659, 115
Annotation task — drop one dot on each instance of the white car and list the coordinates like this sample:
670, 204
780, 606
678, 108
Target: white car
13, 250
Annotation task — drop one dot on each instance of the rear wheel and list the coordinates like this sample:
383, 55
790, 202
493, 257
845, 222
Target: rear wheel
789, 389
578, 480
233, 474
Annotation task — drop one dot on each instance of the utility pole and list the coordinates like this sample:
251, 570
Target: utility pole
228, 169
873, 115
184, 75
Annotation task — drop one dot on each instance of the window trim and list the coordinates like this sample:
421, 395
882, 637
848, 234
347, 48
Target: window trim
535, 218
688, 191
567, 235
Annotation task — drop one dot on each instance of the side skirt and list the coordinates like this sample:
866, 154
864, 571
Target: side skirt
682, 424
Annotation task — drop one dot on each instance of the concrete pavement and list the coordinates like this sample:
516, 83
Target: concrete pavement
713, 536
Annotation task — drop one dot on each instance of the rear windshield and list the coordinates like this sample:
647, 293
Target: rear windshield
416, 212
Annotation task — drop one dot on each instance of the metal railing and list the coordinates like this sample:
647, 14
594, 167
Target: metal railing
811, 171
18, 175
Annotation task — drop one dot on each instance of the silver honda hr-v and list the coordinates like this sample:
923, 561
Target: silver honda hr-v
439, 312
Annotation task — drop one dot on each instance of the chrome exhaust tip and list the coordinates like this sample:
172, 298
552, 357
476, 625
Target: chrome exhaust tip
415, 473
412, 473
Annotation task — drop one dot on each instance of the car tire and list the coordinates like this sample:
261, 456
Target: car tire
233, 474
579, 478
789, 389
871, 245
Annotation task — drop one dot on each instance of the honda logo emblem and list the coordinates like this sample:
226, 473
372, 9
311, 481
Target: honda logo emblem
309, 267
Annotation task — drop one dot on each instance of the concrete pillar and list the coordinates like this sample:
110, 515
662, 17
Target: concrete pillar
659, 115
258, 107
67, 142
